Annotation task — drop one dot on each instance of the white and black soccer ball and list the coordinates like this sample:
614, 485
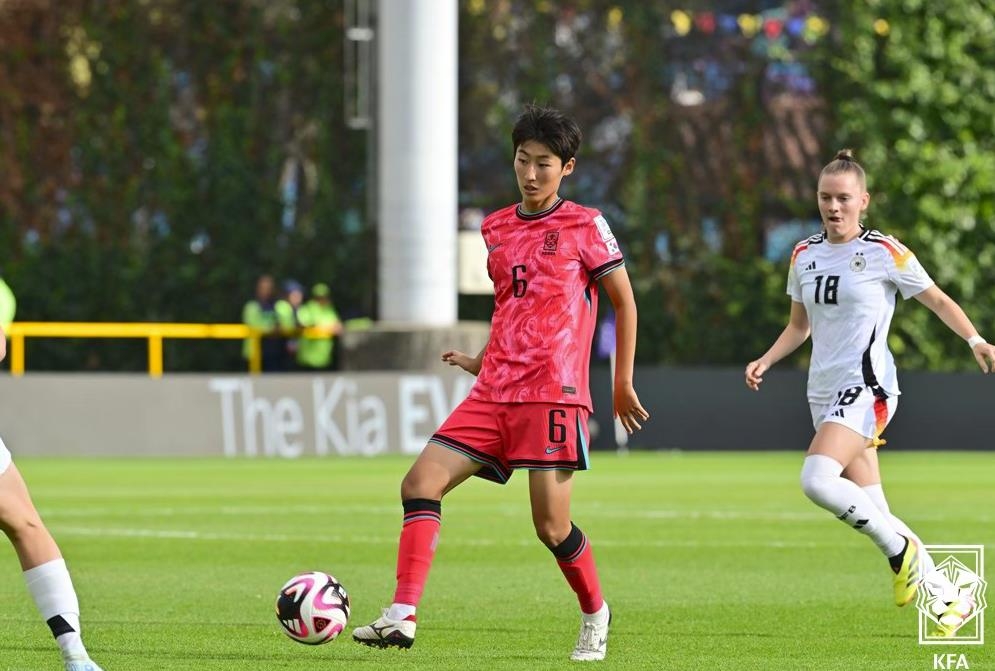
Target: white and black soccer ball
312, 608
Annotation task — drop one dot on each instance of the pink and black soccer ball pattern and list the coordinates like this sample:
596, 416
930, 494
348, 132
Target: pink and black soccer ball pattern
312, 608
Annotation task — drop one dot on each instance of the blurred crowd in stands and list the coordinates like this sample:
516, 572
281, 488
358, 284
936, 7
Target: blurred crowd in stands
298, 325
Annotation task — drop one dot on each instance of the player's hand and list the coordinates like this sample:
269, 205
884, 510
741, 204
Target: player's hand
983, 352
754, 373
468, 363
628, 409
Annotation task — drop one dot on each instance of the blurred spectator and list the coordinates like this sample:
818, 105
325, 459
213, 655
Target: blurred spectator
318, 312
260, 313
288, 317
8, 304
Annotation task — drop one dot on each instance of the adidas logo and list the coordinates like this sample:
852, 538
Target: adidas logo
838, 413
810, 266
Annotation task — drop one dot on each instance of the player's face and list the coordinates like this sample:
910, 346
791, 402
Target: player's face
539, 172
841, 200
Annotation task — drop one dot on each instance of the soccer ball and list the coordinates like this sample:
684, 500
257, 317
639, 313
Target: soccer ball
313, 608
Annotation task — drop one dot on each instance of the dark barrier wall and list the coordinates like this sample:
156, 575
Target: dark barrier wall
292, 416
711, 409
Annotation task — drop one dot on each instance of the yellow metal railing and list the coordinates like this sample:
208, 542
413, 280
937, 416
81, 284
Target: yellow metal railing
153, 332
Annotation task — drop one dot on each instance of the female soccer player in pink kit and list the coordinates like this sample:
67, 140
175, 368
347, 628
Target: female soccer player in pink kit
529, 406
44, 569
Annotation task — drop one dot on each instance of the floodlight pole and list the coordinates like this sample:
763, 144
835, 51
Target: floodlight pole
416, 105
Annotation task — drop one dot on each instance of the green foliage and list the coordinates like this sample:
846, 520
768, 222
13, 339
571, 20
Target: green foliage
612, 64
144, 146
154, 193
917, 102
716, 311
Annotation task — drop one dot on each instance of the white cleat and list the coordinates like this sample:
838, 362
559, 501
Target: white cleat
592, 643
81, 664
387, 633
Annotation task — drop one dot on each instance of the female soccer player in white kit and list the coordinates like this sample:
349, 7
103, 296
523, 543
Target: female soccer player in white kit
843, 284
44, 569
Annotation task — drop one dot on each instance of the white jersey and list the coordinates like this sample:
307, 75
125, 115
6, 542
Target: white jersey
849, 292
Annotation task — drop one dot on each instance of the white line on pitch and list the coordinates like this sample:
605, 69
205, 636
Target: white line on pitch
581, 510
189, 534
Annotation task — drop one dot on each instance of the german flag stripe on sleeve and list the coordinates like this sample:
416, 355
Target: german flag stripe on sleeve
898, 251
804, 244
799, 248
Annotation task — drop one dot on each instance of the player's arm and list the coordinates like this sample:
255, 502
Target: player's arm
951, 314
3, 344
471, 364
791, 338
626, 403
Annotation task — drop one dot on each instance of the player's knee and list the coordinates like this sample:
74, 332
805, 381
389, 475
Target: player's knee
813, 487
551, 533
819, 474
415, 486
409, 487
20, 527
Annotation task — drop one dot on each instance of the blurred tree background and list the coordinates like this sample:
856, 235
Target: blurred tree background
156, 156
916, 96
159, 155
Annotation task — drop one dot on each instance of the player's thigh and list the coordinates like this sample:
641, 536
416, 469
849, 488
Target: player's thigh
436, 471
838, 442
853, 422
864, 470
16, 508
458, 449
549, 495
473, 430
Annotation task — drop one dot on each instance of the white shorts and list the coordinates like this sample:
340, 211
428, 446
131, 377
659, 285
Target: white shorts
857, 408
4, 457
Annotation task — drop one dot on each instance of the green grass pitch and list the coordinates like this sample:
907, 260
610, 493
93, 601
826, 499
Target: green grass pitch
711, 561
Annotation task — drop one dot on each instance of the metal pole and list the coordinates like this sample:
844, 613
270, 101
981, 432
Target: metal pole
417, 155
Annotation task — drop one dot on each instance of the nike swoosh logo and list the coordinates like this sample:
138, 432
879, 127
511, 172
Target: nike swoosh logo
554, 450
491, 248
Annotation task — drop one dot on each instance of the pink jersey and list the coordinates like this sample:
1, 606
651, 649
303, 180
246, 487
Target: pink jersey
545, 268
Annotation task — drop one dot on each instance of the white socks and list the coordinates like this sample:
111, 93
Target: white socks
599, 617
876, 494
52, 590
823, 484
399, 611
936, 581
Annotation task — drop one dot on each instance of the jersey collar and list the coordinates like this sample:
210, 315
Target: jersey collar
532, 216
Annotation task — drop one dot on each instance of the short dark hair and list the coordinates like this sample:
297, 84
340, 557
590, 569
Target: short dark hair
547, 126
